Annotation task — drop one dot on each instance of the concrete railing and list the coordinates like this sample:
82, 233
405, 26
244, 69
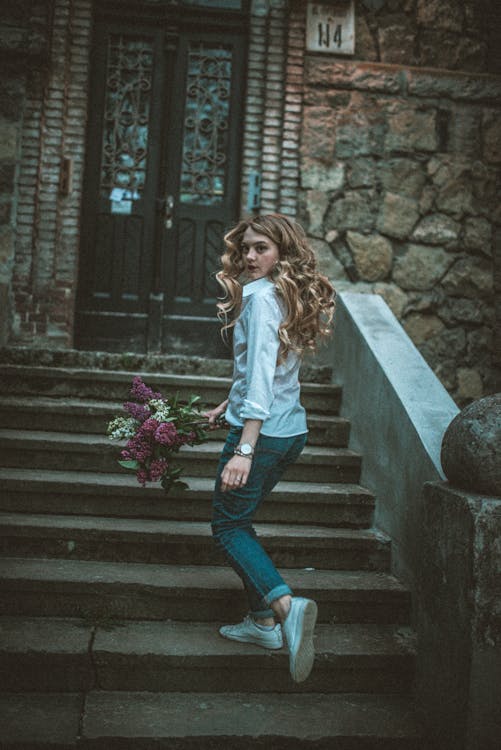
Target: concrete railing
399, 412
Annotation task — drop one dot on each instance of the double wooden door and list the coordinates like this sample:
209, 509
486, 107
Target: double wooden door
162, 185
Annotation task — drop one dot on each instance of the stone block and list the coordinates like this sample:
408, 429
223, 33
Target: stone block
372, 254
316, 206
355, 210
448, 50
420, 327
6, 252
469, 384
456, 198
437, 229
427, 199
7, 178
453, 85
491, 132
444, 15
396, 36
327, 98
448, 344
328, 264
469, 277
360, 128
410, 128
403, 176
365, 44
421, 267
478, 235
458, 310
480, 344
464, 131
394, 297
5, 213
11, 97
439, 49
8, 140
472, 54
352, 75
318, 176
318, 135
398, 216
361, 172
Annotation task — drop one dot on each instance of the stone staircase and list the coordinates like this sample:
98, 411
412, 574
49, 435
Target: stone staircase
111, 594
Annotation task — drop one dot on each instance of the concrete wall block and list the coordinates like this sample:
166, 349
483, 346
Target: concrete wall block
459, 667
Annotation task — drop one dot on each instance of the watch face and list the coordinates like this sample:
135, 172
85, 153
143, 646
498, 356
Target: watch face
246, 448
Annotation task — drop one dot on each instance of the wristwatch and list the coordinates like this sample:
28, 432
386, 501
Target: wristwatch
244, 449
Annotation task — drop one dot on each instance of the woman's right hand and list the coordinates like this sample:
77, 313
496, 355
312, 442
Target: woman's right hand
213, 415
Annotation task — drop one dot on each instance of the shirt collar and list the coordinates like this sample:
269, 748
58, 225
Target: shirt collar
254, 286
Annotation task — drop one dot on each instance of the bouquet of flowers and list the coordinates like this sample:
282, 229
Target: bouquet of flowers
155, 428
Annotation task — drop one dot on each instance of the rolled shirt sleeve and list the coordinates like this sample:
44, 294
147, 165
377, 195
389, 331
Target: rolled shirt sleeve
263, 322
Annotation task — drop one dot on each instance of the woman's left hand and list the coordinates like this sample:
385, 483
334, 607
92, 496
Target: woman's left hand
235, 473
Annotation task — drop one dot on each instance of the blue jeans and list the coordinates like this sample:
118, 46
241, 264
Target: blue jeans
234, 511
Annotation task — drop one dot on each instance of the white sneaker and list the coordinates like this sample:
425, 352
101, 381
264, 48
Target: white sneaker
248, 632
298, 630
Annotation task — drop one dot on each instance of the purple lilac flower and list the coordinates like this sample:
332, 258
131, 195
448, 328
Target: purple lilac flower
157, 469
141, 392
139, 448
166, 434
138, 411
149, 427
142, 476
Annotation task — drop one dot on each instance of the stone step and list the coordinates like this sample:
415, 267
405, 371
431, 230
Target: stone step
53, 654
114, 385
87, 493
108, 720
180, 364
92, 416
76, 588
184, 543
66, 450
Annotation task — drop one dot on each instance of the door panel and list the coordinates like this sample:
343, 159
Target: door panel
202, 172
161, 187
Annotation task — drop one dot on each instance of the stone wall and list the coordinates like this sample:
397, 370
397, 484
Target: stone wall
23, 48
400, 180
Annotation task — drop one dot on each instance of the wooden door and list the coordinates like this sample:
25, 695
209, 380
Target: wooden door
162, 185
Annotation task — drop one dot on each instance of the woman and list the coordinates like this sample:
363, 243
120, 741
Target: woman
278, 314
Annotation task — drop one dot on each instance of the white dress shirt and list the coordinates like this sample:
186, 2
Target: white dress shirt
262, 389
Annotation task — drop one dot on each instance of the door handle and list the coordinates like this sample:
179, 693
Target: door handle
169, 212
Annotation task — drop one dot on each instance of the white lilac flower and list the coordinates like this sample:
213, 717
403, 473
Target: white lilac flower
122, 428
160, 409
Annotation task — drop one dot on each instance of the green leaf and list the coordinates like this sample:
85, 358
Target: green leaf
130, 464
180, 485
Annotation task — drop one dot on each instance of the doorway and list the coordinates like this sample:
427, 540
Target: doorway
162, 181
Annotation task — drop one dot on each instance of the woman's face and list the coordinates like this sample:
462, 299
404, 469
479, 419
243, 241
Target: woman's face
260, 254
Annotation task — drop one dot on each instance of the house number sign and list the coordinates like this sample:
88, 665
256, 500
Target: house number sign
330, 27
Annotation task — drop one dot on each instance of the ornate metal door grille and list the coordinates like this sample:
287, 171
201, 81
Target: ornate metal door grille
126, 115
205, 137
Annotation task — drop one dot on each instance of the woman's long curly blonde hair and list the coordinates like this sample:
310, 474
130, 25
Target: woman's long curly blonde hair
307, 294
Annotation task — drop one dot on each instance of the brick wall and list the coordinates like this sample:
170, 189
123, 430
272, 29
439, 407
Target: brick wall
48, 221
273, 105
24, 43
